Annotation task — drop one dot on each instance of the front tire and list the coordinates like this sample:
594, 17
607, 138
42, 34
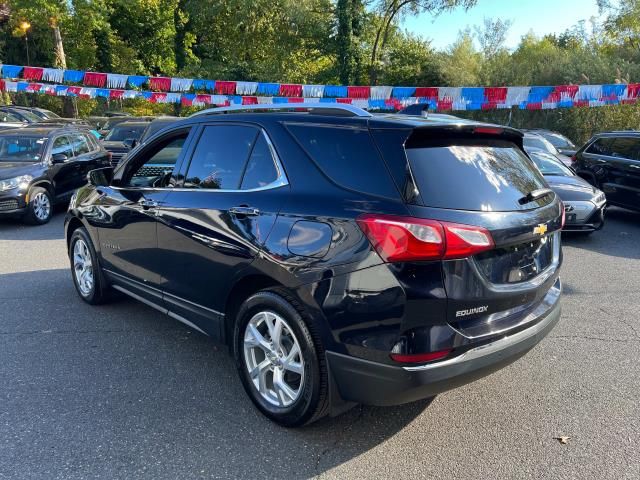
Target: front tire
40, 208
280, 362
85, 269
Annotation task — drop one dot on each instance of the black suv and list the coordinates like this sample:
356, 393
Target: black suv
41, 166
343, 257
611, 162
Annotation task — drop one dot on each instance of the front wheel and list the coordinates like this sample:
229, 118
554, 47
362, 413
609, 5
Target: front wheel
40, 207
280, 364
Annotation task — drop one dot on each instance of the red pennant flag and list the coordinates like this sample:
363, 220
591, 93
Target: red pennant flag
32, 73
95, 79
162, 84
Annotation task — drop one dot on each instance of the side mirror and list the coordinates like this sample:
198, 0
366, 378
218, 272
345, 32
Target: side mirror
100, 177
130, 143
59, 158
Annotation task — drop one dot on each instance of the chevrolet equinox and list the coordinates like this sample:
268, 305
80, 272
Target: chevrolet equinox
343, 257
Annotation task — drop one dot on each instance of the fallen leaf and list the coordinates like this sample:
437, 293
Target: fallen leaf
562, 440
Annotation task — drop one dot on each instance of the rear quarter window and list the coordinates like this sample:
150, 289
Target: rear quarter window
347, 156
491, 175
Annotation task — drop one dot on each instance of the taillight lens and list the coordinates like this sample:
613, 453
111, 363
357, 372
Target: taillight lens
420, 357
399, 239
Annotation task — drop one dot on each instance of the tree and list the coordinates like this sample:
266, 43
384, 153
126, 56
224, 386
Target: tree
389, 11
492, 35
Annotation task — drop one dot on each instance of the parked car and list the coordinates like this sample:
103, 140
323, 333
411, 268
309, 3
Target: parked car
533, 140
584, 204
121, 138
9, 120
559, 141
40, 167
115, 120
41, 113
21, 114
343, 257
155, 126
611, 162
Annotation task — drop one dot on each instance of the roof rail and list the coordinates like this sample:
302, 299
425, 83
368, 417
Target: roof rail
335, 109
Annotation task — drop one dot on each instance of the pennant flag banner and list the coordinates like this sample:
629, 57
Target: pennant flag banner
202, 92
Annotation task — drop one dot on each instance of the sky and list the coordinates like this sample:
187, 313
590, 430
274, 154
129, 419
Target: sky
540, 16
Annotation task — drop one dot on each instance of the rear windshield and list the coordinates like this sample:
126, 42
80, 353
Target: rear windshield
491, 176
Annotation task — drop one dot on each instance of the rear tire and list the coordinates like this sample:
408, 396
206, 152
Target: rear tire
280, 360
40, 207
85, 269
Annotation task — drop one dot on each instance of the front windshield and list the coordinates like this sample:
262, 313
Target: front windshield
123, 132
21, 148
558, 140
549, 165
536, 141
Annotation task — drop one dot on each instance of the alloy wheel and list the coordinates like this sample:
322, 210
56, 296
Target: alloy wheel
41, 206
83, 267
273, 359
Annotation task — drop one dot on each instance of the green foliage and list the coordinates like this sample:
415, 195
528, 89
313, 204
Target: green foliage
324, 41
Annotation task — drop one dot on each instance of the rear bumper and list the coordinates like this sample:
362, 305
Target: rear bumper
372, 383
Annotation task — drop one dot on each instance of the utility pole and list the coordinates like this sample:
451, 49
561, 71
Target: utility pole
25, 26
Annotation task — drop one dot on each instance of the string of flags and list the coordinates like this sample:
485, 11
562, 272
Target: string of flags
200, 92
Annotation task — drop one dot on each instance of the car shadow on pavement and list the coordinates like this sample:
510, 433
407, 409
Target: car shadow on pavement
123, 388
623, 225
16, 229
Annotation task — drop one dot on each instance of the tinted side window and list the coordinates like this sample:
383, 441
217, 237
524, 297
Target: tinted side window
154, 167
261, 170
625, 147
600, 147
62, 145
80, 144
347, 156
220, 157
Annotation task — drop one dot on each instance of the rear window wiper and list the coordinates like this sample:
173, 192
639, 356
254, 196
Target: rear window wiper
534, 195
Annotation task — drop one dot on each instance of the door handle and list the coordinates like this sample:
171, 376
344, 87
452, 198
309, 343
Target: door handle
244, 211
147, 204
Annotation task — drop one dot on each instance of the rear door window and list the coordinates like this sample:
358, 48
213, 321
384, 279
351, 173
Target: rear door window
347, 156
220, 156
487, 176
625, 147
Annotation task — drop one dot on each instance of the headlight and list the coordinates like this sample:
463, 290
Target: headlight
600, 198
18, 182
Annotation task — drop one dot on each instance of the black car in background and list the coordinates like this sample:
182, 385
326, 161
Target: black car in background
559, 141
155, 126
122, 137
111, 122
42, 166
584, 204
611, 162
343, 257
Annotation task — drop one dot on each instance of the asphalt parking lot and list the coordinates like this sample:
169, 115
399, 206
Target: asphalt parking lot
121, 391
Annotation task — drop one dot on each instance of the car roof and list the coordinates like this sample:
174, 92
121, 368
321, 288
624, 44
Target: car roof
132, 124
43, 130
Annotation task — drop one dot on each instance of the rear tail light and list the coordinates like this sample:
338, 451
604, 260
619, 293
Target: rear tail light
400, 239
488, 130
419, 357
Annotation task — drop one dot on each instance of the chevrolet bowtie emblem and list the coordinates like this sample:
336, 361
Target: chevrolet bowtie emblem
540, 229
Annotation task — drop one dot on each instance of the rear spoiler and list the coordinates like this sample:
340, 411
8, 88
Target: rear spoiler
449, 133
